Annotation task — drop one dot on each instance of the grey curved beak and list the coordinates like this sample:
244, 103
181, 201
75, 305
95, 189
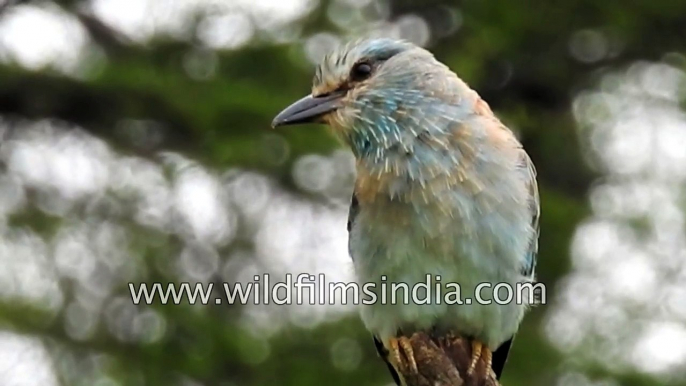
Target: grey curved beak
308, 109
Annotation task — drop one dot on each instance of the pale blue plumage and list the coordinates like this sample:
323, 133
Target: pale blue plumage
443, 188
414, 125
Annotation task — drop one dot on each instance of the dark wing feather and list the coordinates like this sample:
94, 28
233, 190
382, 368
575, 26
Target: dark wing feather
500, 358
383, 353
352, 213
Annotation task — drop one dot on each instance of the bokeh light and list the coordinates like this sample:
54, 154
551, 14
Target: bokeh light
620, 304
170, 174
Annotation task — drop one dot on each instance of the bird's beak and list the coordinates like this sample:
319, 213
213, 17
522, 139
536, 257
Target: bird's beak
308, 109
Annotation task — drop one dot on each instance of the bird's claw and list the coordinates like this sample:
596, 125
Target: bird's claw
403, 354
479, 351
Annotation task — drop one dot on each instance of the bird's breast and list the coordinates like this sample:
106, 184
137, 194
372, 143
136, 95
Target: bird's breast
448, 216
404, 242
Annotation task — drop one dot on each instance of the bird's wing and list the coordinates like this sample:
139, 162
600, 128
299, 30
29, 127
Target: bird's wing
529, 268
528, 171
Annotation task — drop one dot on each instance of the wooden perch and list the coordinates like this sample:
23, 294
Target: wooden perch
444, 362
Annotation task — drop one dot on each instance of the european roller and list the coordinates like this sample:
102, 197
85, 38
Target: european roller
442, 188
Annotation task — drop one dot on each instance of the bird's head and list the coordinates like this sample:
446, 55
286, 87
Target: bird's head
365, 89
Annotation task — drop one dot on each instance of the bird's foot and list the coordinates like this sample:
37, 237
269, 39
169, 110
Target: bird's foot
479, 351
401, 351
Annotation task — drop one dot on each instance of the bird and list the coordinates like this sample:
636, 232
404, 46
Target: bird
442, 188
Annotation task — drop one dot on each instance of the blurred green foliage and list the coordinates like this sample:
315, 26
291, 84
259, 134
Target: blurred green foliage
516, 54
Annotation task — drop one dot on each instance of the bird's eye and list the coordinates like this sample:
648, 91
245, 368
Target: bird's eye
361, 71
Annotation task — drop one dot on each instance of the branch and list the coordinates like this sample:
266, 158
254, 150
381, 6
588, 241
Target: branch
444, 361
